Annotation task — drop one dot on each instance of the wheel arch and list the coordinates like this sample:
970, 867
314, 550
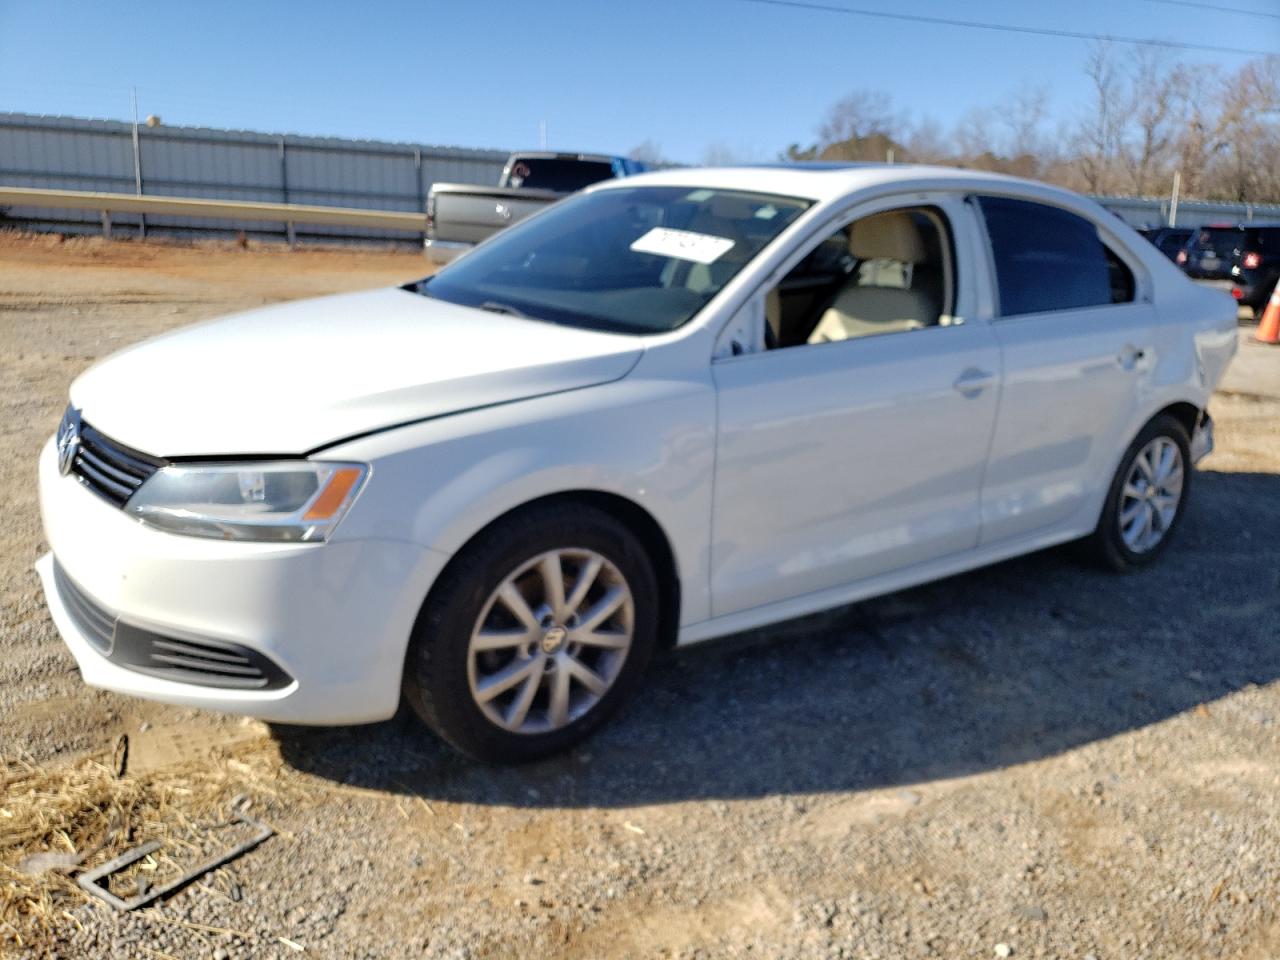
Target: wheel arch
1186, 413
637, 519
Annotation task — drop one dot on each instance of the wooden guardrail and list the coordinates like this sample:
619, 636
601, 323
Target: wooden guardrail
287, 213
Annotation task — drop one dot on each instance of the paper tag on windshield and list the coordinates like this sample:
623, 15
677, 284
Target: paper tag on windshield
683, 245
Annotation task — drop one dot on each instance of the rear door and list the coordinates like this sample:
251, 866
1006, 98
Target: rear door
1076, 331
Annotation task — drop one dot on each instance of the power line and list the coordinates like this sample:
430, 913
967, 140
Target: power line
1217, 9
1006, 28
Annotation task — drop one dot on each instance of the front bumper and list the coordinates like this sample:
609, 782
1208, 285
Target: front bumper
1202, 439
335, 616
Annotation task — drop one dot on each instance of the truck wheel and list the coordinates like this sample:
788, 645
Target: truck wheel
537, 631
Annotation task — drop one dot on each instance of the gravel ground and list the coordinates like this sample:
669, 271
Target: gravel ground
1032, 760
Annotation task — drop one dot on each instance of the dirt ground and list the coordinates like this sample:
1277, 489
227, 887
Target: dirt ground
1032, 760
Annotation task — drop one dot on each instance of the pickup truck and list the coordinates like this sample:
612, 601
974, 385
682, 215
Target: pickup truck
460, 215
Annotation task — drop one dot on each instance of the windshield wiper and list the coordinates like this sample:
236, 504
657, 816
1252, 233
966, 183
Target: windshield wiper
494, 306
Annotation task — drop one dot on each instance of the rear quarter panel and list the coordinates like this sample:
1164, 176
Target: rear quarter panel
1195, 333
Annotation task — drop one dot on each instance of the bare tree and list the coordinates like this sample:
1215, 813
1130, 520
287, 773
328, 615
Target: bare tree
1151, 119
1147, 117
925, 143
975, 134
719, 154
1247, 128
1099, 133
1201, 126
648, 151
1023, 117
858, 116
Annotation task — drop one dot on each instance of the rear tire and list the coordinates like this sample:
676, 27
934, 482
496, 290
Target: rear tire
500, 619
1147, 497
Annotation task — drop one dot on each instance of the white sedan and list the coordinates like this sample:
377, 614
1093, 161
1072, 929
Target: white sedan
672, 407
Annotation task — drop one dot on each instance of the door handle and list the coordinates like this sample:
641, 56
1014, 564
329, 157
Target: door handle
973, 381
1129, 356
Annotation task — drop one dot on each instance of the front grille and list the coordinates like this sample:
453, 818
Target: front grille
110, 470
96, 623
209, 663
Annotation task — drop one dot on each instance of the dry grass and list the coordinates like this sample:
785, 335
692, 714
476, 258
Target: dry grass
91, 808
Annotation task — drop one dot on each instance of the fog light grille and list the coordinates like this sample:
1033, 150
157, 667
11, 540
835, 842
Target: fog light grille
209, 663
93, 620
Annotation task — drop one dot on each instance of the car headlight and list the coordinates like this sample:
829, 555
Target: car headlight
278, 501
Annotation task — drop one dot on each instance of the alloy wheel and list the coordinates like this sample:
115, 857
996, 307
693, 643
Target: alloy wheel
550, 641
1151, 495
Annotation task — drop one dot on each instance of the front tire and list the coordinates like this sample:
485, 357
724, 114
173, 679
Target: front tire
537, 631
1147, 497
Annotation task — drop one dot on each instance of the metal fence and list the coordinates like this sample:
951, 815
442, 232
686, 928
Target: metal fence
68, 153
1152, 212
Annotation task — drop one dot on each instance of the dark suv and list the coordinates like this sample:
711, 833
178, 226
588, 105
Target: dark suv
1257, 270
1243, 258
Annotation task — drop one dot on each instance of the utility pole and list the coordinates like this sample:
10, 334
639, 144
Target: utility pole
1173, 200
137, 161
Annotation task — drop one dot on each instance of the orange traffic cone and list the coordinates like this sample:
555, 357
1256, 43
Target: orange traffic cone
1269, 328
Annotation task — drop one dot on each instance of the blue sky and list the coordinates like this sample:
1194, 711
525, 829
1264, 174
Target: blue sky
603, 75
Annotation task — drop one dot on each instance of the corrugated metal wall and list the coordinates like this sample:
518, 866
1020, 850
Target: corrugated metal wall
67, 153
72, 154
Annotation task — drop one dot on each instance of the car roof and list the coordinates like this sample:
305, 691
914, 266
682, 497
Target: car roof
827, 181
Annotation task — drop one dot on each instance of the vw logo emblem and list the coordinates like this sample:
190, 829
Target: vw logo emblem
68, 441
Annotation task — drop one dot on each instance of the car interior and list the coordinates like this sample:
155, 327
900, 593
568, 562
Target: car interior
885, 273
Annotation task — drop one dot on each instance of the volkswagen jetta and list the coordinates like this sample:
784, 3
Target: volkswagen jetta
672, 407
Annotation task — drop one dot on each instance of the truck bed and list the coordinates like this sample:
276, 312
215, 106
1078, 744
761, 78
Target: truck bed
463, 213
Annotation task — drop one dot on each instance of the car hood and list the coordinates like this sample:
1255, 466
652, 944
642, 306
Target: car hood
291, 378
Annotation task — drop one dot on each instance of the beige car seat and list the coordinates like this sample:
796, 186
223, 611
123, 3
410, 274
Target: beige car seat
773, 315
863, 309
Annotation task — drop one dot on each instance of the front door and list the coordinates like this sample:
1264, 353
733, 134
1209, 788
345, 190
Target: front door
855, 445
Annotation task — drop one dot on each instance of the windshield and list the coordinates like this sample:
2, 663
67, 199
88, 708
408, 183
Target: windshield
631, 259
566, 175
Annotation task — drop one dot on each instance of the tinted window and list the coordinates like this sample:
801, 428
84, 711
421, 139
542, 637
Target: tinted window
1219, 242
1045, 258
554, 173
1263, 239
1171, 241
628, 259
